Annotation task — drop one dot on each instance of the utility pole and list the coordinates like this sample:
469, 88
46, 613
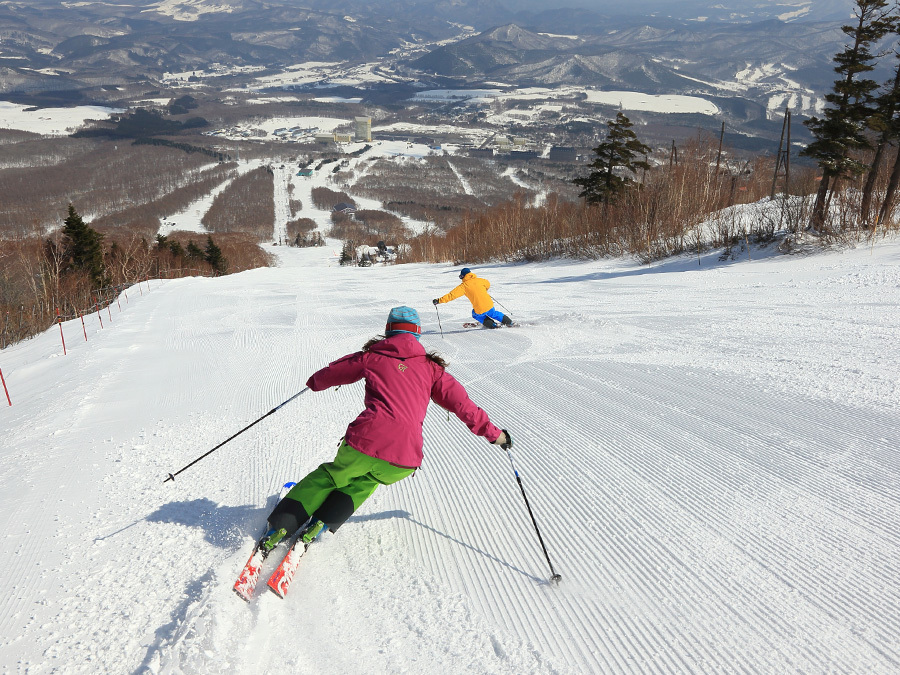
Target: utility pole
719, 154
784, 153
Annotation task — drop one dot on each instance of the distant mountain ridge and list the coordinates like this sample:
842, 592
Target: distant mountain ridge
655, 59
667, 50
728, 11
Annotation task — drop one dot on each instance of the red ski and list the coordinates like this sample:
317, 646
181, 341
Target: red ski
246, 582
283, 575
249, 576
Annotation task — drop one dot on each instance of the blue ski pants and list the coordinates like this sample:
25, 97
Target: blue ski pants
493, 312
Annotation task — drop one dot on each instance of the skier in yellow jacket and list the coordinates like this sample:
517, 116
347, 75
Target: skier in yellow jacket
476, 290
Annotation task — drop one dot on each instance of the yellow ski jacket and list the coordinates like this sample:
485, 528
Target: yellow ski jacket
475, 289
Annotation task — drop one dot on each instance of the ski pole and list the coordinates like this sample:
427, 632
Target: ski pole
555, 577
278, 407
439, 321
500, 303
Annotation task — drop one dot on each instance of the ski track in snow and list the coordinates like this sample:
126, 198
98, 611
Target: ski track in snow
361, 166
710, 453
281, 179
539, 195
287, 185
466, 186
190, 219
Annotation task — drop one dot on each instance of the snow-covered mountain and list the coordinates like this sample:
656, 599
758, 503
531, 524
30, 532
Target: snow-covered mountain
730, 11
710, 450
191, 10
757, 10
762, 62
89, 44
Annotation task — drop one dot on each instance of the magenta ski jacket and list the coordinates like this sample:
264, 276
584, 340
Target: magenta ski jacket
400, 381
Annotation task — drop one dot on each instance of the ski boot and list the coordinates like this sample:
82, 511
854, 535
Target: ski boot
271, 539
313, 531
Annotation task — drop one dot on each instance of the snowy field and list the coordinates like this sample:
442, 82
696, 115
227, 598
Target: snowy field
710, 452
50, 121
634, 100
626, 100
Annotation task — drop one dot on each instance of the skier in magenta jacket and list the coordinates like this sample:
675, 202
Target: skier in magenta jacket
384, 443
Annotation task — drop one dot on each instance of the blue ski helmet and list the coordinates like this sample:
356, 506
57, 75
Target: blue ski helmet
403, 320
463, 272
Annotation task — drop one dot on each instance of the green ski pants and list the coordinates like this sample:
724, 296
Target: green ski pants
355, 474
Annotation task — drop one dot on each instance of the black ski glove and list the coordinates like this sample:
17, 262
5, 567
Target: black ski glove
504, 440
435, 302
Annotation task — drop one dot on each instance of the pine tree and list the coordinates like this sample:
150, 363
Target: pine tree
615, 156
83, 248
842, 127
348, 254
213, 255
886, 125
176, 249
194, 252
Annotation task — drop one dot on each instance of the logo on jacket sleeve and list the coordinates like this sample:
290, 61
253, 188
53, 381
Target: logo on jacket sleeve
401, 367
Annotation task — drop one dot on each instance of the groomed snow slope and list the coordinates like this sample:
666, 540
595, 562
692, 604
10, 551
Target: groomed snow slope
710, 451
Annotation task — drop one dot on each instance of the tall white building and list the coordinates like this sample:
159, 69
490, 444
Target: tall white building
363, 128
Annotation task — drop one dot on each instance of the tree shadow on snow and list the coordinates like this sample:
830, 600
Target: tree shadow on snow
388, 515
710, 260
